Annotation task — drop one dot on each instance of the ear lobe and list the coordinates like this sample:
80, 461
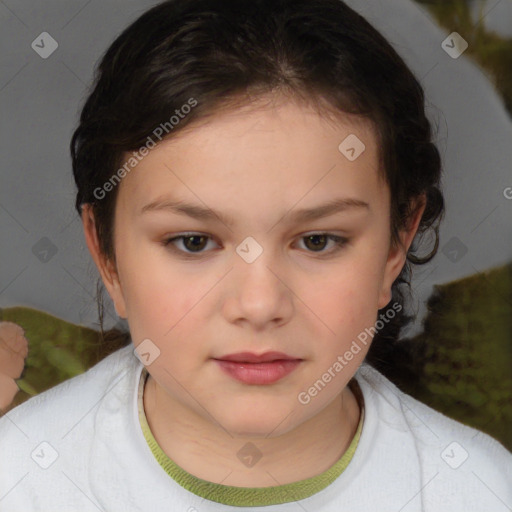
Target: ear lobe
398, 253
105, 266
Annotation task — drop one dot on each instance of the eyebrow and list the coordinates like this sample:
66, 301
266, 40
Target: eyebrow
203, 213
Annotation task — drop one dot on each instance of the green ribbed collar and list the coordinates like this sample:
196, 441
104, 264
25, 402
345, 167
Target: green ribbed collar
248, 496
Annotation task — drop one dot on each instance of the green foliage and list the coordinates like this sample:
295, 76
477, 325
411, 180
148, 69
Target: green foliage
58, 350
466, 352
492, 52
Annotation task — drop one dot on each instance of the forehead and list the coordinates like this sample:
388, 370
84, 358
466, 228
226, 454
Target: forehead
259, 157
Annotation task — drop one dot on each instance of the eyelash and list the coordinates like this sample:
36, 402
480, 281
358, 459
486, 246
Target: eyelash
339, 241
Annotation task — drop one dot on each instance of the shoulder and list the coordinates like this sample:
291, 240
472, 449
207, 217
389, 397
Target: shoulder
64, 397
55, 412
46, 443
459, 458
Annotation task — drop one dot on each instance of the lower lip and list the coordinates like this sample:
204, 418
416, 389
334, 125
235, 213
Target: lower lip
259, 373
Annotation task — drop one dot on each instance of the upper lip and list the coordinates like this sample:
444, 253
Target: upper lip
249, 357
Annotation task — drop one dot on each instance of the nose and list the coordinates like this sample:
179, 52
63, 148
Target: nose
258, 294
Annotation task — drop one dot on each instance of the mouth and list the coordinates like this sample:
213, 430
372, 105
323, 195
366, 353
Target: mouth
255, 369
250, 357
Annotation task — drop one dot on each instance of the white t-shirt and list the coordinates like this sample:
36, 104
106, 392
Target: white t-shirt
80, 447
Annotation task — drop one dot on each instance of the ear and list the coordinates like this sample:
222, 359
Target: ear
105, 267
397, 254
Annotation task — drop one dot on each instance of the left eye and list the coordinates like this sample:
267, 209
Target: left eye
316, 242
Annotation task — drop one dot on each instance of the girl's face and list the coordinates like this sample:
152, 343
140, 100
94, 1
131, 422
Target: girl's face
249, 189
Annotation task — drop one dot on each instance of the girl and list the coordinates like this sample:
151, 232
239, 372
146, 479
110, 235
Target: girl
251, 177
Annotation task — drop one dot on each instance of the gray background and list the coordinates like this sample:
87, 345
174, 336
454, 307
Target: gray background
45, 263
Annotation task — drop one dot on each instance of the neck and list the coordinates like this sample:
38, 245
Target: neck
206, 451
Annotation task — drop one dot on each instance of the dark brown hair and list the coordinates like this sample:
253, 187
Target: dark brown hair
225, 53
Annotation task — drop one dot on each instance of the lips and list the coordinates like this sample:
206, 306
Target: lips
262, 369
249, 357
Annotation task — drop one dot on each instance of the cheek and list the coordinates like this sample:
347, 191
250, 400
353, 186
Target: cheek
164, 305
348, 299
155, 296
348, 304
159, 308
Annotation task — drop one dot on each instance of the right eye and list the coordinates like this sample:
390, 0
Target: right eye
194, 243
